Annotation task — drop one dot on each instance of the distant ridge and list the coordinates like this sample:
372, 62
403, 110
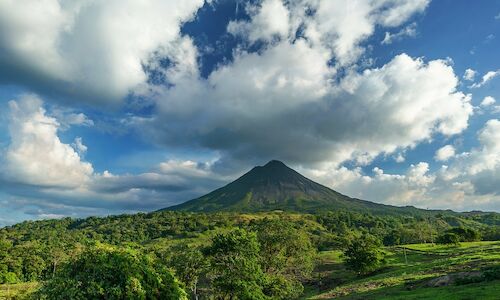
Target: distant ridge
275, 186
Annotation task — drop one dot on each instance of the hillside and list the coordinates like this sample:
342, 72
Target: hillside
275, 186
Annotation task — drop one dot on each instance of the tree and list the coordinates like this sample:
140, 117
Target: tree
234, 264
465, 234
363, 254
106, 273
189, 264
286, 257
448, 238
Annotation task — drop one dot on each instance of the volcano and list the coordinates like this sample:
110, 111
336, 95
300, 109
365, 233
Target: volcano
275, 186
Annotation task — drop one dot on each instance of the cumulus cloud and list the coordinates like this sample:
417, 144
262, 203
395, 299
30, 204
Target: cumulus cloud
339, 26
36, 155
304, 96
486, 78
409, 188
91, 50
468, 182
43, 174
487, 101
270, 19
408, 31
469, 75
280, 103
445, 153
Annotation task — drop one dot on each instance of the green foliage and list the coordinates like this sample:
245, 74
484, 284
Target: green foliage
492, 273
465, 234
409, 278
8, 277
235, 268
36, 250
448, 238
189, 265
364, 255
107, 273
286, 256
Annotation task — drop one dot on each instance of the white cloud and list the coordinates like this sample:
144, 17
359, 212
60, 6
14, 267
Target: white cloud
497, 17
487, 101
469, 75
79, 146
269, 19
36, 155
67, 118
87, 49
263, 103
340, 26
486, 78
469, 182
46, 176
287, 101
408, 31
400, 158
409, 188
445, 153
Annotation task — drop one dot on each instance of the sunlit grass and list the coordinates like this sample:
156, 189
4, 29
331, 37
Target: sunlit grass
404, 278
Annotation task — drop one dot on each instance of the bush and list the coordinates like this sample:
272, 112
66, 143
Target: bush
364, 254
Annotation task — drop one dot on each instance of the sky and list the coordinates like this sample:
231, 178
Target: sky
110, 107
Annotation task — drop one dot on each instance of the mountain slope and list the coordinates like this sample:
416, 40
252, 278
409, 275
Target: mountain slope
275, 186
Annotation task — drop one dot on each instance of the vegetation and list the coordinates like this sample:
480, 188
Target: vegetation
418, 271
449, 238
364, 255
247, 256
108, 273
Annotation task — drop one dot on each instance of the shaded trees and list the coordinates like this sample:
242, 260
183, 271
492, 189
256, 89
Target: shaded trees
107, 273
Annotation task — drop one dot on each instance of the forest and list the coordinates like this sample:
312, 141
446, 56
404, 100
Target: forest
184, 255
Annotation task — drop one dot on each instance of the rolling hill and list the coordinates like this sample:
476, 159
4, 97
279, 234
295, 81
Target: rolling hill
275, 186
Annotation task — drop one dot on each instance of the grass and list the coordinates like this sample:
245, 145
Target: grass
401, 280
16, 291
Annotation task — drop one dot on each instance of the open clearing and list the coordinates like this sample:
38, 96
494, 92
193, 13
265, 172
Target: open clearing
417, 277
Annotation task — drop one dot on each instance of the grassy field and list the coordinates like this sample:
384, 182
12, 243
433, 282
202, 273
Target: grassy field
413, 277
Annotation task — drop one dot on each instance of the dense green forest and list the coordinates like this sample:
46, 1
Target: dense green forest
211, 255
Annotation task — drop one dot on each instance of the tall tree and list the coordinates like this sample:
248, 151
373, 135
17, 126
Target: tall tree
234, 264
287, 257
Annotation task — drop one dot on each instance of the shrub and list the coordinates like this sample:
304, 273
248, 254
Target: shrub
364, 254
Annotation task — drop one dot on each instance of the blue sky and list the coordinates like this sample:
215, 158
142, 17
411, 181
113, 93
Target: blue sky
109, 107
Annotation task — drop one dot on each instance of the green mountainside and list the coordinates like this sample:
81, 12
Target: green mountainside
275, 186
